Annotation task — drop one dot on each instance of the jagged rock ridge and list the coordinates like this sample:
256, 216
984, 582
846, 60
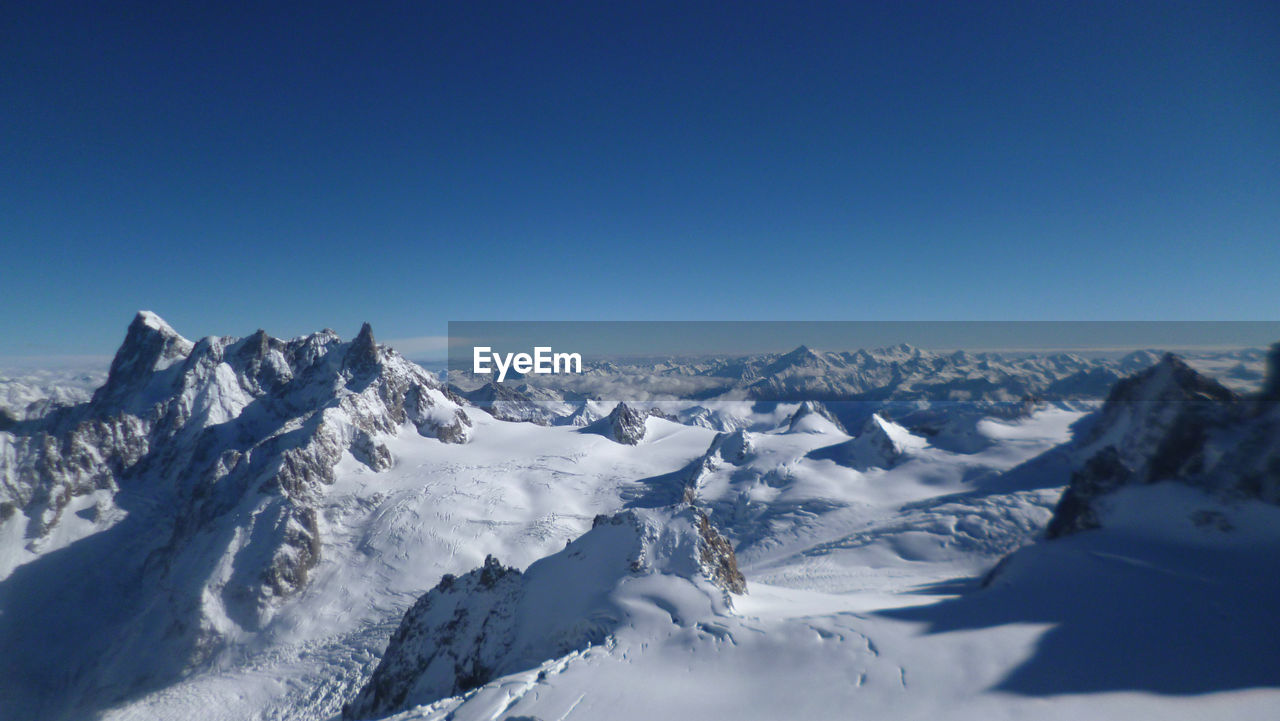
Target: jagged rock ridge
495, 620
1171, 423
624, 424
223, 448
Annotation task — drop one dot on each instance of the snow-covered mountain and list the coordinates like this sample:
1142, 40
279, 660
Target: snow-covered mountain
1171, 423
189, 484
633, 568
880, 444
278, 529
848, 383
519, 403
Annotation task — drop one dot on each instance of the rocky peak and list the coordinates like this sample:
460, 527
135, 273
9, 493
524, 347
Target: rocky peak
255, 346
626, 425
1170, 380
733, 447
1142, 409
1171, 423
150, 345
362, 356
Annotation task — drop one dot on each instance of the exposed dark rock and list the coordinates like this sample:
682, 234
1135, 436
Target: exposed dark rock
1170, 423
362, 357
1271, 388
1101, 474
450, 641
493, 621
719, 559
625, 424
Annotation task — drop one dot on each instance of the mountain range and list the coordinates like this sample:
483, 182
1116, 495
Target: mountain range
311, 529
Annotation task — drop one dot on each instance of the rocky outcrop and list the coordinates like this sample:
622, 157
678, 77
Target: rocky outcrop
1171, 423
624, 424
718, 559
495, 620
453, 639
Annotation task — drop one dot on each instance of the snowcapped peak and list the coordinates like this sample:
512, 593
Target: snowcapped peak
254, 426
146, 324
812, 417
889, 434
1170, 380
802, 357
880, 443
899, 352
1140, 359
883, 443
150, 345
583, 416
876, 424
153, 321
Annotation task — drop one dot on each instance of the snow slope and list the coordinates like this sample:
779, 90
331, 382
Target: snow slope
863, 569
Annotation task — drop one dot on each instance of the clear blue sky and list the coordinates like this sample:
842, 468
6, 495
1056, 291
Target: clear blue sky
410, 163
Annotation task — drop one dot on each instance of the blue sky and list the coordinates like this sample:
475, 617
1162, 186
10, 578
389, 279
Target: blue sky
411, 163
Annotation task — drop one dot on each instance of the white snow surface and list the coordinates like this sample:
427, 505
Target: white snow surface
863, 597
835, 553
